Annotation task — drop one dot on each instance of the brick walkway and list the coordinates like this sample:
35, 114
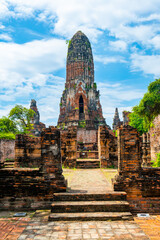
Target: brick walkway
151, 226
39, 228
11, 229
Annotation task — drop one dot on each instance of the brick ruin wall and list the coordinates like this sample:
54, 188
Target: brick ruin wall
87, 136
99, 144
155, 138
7, 149
107, 146
142, 185
69, 147
25, 188
27, 151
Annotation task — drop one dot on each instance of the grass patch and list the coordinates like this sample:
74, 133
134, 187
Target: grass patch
69, 174
109, 174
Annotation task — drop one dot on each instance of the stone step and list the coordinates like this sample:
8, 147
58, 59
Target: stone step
109, 196
8, 164
90, 206
10, 160
90, 216
87, 160
87, 163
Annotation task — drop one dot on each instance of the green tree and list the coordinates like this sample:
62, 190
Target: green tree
143, 114
157, 162
8, 128
140, 123
149, 106
22, 117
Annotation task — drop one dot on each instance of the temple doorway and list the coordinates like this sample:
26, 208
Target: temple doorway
81, 108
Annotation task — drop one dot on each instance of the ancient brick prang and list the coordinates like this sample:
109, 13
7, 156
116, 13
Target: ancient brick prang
116, 120
37, 125
80, 104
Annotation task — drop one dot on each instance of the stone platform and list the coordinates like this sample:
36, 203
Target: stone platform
90, 197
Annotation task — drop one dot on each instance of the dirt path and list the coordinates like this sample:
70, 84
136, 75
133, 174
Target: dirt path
87, 181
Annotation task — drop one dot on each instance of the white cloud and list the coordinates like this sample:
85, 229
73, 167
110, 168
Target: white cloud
118, 45
28, 62
107, 60
149, 64
117, 95
91, 16
5, 37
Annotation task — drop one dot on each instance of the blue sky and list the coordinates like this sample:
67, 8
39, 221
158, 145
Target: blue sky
125, 39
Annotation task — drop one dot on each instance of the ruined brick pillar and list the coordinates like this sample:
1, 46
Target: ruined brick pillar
129, 161
51, 160
69, 143
146, 152
128, 150
103, 146
27, 151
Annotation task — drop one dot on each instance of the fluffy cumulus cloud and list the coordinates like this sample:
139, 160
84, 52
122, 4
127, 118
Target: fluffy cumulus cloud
29, 69
109, 59
30, 62
115, 15
117, 95
149, 64
118, 45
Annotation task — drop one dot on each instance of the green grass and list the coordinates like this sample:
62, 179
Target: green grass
109, 174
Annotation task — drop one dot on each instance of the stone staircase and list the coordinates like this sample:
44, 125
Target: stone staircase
87, 163
90, 207
87, 157
8, 163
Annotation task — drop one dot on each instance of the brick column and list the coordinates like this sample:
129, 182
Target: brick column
128, 150
103, 146
71, 147
146, 153
27, 151
51, 160
129, 162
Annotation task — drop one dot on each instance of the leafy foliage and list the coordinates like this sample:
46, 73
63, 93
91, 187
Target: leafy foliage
19, 121
157, 162
22, 117
8, 128
82, 124
149, 107
7, 125
5, 135
140, 123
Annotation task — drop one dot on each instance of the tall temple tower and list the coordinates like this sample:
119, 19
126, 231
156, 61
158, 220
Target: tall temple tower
116, 120
80, 102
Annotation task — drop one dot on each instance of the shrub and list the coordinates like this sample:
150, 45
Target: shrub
157, 162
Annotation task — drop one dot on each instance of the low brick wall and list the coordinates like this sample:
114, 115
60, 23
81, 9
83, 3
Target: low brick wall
7, 149
30, 188
142, 185
27, 151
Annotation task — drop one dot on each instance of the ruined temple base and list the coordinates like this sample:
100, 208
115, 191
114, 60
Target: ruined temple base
89, 148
